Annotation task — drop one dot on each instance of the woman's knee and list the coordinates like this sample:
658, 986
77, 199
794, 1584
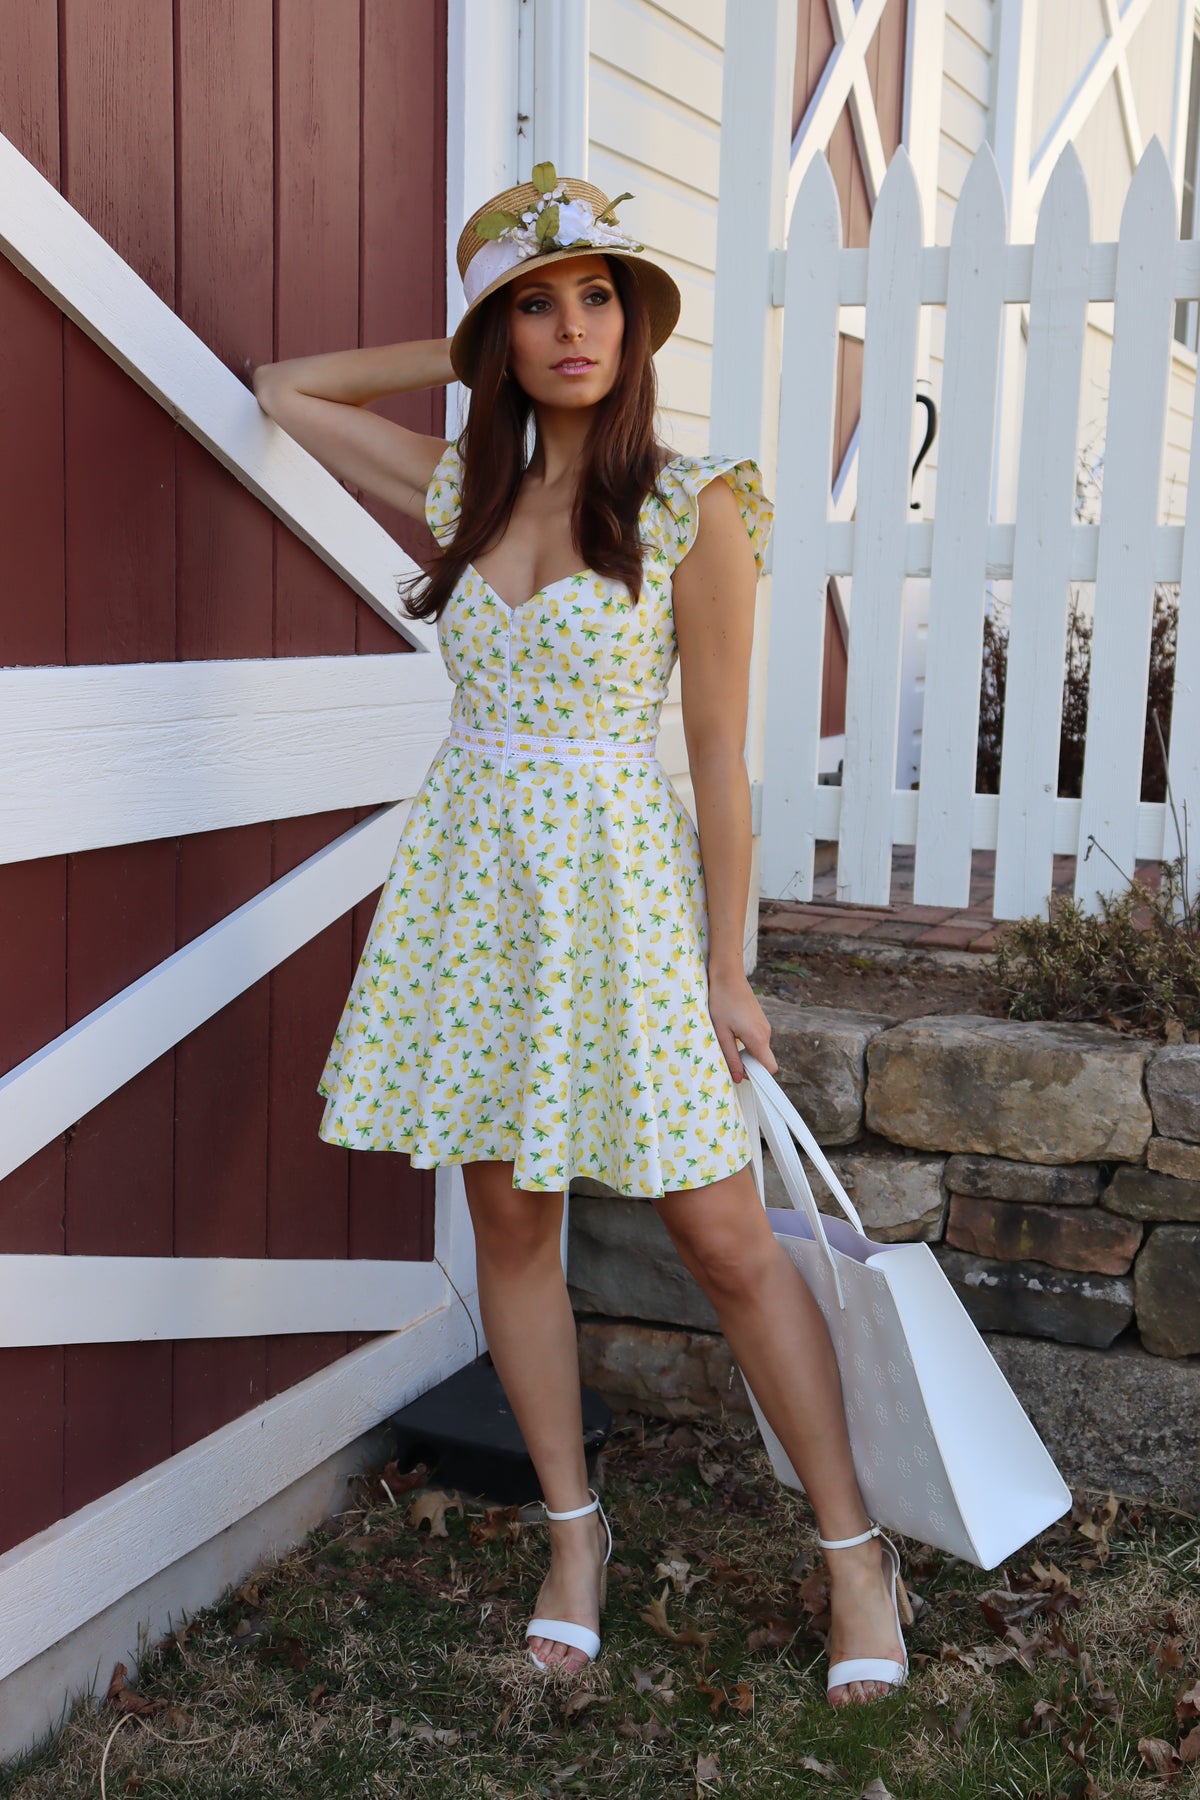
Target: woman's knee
728, 1247
513, 1226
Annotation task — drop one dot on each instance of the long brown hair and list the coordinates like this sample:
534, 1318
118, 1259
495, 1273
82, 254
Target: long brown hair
622, 457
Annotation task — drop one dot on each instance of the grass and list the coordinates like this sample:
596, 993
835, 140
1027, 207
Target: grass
380, 1659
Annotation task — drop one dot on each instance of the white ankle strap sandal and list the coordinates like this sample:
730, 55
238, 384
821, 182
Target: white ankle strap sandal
565, 1631
869, 1668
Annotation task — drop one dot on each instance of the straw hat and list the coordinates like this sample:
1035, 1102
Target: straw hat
547, 220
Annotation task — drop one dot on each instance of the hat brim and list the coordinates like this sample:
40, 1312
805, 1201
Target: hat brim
661, 294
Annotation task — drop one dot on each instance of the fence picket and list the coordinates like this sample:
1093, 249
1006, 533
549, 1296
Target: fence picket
797, 624
1124, 598
1183, 767
1044, 550
974, 306
1042, 542
880, 541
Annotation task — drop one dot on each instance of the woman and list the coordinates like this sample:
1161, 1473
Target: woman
553, 981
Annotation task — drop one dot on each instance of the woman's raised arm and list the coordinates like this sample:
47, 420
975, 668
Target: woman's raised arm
321, 401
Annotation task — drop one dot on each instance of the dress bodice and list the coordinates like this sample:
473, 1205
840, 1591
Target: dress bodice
580, 658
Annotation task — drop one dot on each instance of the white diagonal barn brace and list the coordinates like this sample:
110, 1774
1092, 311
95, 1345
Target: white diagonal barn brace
55, 1086
56, 248
160, 749
1110, 60
843, 78
74, 1569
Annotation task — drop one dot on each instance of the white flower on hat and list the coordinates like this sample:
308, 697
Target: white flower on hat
554, 222
575, 220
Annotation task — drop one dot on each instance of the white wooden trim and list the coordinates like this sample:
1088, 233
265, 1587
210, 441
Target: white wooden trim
482, 137
75, 1671
873, 674
116, 753
68, 1573
75, 1071
1184, 763
1153, 830
559, 126
52, 244
1001, 549
950, 712
1124, 597
756, 111
1044, 540
135, 1299
804, 545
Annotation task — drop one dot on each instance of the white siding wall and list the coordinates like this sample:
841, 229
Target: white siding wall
654, 106
966, 104
654, 101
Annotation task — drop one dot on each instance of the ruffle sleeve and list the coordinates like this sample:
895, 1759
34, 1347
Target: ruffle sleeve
671, 533
443, 496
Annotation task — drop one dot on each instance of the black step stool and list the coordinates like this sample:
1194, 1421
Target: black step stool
465, 1425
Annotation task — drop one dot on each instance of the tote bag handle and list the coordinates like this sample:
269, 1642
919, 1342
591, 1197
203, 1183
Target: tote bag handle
765, 1106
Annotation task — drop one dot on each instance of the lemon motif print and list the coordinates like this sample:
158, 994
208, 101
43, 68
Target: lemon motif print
533, 985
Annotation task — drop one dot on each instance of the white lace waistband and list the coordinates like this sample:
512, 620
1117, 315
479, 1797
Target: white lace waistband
570, 749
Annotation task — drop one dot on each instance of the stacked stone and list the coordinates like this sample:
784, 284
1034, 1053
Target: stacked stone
1063, 1198
1054, 1171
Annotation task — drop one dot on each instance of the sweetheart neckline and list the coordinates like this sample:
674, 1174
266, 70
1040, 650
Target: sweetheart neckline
537, 593
577, 575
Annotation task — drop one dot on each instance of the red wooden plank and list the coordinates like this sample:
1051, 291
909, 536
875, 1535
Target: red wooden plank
29, 82
119, 172
885, 72
31, 1421
224, 571
33, 923
403, 295
316, 304
307, 1180
402, 272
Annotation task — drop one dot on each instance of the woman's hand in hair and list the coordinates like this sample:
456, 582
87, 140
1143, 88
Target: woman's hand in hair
323, 402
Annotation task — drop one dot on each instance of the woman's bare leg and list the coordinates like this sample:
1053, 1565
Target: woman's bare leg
531, 1335
780, 1341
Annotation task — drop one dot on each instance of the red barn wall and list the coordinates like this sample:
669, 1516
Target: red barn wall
274, 169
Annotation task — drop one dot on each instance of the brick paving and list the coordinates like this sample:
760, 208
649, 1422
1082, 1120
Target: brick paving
972, 927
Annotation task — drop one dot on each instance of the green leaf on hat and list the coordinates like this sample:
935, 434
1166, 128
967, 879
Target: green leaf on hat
492, 224
547, 223
543, 177
606, 216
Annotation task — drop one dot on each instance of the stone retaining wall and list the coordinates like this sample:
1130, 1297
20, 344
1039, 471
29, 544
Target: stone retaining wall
1054, 1170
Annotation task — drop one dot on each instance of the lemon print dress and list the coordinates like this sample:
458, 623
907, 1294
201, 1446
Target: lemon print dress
533, 985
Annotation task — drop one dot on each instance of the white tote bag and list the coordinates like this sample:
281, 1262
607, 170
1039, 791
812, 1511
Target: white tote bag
943, 1449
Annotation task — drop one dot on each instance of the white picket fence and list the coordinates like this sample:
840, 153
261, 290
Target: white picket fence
1042, 552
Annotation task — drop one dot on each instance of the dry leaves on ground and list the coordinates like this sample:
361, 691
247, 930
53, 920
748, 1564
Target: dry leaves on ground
498, 1524
708, 1773
127, 1700
826, 1770
741, 1699
655, 1616
430, 1508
